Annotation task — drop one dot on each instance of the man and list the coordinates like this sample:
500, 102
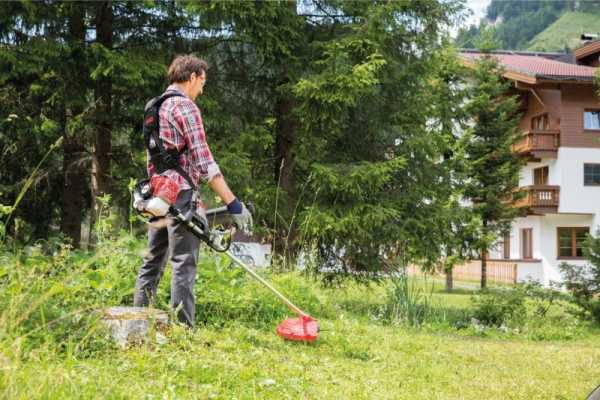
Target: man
180, 127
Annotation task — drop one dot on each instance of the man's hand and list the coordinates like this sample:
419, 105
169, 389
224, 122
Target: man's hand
240, 215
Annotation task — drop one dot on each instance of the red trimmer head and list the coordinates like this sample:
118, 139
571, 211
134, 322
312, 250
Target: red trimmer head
302, 329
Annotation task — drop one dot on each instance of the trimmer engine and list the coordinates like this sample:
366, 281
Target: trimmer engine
154, 199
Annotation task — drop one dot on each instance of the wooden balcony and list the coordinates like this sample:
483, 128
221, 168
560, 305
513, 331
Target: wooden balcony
538, 199
538, 144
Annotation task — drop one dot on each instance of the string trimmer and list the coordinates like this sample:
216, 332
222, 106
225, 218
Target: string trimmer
155, 199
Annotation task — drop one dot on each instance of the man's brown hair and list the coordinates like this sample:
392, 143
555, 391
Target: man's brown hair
182, 67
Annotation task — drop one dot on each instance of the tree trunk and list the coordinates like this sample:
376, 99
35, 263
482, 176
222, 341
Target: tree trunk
484, 256
285, 140
449, 280
101, 147
73, 190
74, 177
284, 144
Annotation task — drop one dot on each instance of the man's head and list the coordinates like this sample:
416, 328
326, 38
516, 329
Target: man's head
189, 72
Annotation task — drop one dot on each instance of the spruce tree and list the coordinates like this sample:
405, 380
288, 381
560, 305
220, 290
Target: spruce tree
492, 169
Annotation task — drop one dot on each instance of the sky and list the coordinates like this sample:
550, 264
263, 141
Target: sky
477, 8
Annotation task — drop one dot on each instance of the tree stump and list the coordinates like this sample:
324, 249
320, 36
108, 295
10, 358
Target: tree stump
132, 325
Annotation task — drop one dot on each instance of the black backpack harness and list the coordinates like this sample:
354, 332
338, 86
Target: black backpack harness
163, 159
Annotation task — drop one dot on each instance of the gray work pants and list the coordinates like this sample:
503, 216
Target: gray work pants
184, 256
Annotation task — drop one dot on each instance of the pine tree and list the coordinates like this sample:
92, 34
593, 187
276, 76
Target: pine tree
67, 71
492, 169
297, 92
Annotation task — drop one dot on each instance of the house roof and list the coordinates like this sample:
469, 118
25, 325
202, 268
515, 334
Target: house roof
535, 68
587, 50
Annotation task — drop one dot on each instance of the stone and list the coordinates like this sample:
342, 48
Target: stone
267, 382
132, 325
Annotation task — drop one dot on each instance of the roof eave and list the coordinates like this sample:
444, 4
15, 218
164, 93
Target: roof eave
509, 74
520, 76
566, 79
587, 50
534, 79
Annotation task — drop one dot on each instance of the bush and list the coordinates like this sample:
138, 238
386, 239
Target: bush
528, 310
558, 323
584, 282
498, 307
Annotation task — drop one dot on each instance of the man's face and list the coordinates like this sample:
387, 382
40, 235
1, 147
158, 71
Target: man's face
197, 83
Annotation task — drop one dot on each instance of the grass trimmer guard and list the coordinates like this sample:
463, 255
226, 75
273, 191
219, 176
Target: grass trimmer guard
303, 329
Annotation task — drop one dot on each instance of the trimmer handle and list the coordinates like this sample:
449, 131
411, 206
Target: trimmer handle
218, 211
217, 239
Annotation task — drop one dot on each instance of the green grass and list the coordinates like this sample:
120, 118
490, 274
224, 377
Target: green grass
235, 353
565, 32
351, 360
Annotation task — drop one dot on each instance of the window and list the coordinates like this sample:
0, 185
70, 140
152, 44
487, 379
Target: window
591, 119
570, 242
540, 122
506, 246
591, 174
526, 244
540, 176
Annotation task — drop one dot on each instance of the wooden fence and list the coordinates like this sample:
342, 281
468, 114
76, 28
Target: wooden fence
498, 271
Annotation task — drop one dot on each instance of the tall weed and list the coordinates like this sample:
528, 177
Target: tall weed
409, 301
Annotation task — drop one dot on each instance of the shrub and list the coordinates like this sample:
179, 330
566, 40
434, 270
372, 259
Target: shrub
558, 322
584, 282
499, 306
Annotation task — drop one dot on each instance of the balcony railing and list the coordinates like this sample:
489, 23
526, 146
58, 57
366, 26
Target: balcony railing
538, 144
539, 198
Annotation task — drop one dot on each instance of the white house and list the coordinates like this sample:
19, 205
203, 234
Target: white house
561, 143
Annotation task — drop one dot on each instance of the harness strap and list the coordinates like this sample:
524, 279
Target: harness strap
162, 158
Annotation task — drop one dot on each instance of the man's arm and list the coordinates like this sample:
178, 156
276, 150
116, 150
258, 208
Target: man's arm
240, 214
220, 187
202, 158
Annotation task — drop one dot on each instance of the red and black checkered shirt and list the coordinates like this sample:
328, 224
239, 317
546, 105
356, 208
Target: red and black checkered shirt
181, 127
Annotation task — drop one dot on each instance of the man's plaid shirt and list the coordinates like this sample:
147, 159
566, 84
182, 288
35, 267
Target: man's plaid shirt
181, 126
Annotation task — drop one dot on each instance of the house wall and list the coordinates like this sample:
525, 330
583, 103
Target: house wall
568, 168
552, 102
575, 99
526, 173
579, 205
545, 264
566, 171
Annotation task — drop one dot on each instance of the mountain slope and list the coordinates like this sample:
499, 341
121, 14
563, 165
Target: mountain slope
566, 31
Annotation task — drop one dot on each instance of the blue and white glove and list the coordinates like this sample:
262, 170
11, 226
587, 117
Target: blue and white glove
240, 215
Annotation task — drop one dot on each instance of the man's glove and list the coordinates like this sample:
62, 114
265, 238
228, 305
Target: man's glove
240, 215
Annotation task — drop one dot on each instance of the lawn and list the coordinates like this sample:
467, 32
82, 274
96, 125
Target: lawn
235, 354
351, 360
